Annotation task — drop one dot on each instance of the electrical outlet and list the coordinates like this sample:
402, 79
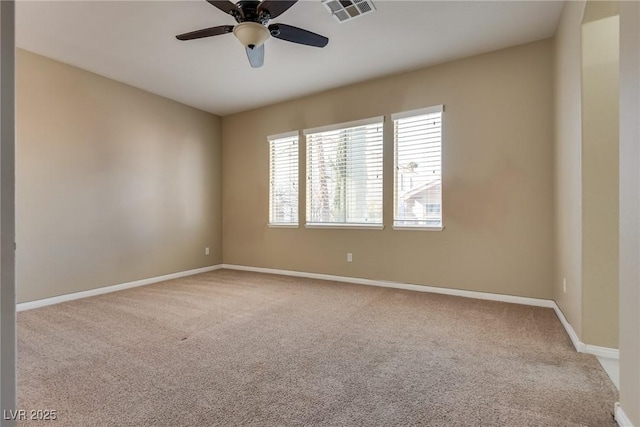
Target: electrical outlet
206, 251
349, 257
564, 284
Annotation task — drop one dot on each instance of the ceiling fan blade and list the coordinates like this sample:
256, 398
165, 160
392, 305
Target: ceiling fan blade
256, 56
206, 32
225, 5
276, 7
297, 35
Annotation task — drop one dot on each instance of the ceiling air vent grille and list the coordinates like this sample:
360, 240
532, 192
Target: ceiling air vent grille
346, 10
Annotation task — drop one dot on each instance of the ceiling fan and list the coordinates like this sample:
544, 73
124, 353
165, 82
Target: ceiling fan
252, 31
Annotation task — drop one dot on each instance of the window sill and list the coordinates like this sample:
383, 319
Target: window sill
347, 226
418, 228
283, 225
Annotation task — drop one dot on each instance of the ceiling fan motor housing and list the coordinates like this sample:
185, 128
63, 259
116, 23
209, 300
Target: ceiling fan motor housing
250, 12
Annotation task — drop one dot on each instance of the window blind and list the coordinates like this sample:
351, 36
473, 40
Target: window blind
418, 168
283, 179
344, 175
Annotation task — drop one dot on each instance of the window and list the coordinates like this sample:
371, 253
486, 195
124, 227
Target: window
283, 180
344, 174
418, 168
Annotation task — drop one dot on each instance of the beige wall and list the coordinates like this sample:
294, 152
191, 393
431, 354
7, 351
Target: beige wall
113, 184
599, 9
600, 175
568, 169
586, 170
630, 210
497, 179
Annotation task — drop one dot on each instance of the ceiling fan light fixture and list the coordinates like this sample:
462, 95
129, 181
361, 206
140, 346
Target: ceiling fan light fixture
251, 34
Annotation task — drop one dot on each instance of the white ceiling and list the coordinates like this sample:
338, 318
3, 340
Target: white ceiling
134, 42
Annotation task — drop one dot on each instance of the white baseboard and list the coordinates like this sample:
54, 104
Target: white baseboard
537, 302
610, 353
113, 288
606, 352
621, 417
579, 345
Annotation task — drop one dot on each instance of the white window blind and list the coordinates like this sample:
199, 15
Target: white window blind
344, 175
418, 168
283, 179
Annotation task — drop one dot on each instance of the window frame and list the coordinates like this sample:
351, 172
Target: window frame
403, 115
380, 120
270, 140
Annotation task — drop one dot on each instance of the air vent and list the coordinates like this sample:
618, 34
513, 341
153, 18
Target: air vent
346, 10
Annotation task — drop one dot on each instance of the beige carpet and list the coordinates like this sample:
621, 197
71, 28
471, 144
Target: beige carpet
234, 348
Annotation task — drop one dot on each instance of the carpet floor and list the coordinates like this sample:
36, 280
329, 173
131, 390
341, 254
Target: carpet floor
236, 348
